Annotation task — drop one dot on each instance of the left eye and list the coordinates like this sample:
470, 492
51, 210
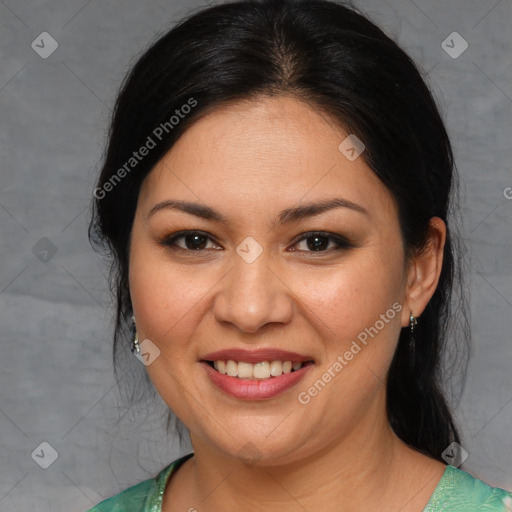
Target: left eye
320, 242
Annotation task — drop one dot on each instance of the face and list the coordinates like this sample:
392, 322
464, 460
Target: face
252, 267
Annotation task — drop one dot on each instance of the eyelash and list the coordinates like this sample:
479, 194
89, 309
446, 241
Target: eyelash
340, 242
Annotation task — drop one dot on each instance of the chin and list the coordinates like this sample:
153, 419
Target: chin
259, 450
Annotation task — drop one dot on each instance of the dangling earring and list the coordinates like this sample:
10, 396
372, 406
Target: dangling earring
135, 343
413, 322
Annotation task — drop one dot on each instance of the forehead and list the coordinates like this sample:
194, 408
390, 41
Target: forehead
267, 151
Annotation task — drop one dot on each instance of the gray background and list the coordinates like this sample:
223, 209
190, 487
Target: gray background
56, 382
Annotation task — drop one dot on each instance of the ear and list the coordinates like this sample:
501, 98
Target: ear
423, 271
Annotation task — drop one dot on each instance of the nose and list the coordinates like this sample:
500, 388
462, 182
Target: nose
252, 295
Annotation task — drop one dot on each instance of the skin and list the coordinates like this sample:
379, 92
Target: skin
249, 161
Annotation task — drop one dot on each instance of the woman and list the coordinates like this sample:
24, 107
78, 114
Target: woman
275, 195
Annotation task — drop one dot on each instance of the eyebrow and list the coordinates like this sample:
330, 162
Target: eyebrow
286, 216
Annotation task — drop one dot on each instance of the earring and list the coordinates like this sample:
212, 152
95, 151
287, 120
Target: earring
135, 343
413, 322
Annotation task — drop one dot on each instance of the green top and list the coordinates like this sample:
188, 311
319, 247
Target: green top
457, 491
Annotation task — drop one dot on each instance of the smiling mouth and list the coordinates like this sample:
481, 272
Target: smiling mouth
257, 371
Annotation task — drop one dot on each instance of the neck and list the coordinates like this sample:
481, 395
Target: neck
368, 462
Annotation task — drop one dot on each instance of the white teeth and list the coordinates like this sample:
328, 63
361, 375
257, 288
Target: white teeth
231, 368
261, 370
276, 368
221, 367
244, 370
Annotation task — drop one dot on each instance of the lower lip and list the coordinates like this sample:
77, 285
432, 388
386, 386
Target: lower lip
248, 389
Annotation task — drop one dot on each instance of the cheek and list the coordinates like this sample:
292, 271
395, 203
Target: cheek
355, 311
352, 297
164, 300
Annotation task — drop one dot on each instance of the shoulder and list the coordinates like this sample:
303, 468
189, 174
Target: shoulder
145, 496
136, 497
461, 491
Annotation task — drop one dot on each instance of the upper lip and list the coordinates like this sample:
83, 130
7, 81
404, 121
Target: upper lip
255, 356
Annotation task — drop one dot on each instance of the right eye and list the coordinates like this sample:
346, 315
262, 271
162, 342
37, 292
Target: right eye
194, 241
